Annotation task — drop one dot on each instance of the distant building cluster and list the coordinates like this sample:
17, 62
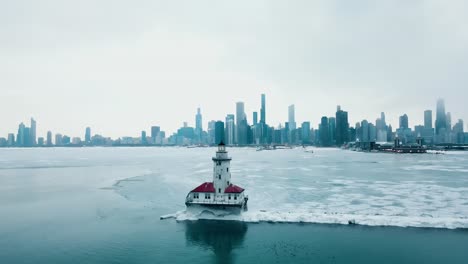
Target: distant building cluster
26, 137
442, 133
236, 130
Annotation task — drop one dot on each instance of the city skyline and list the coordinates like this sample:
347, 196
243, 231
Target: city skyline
254, 106
238, 130
155, 63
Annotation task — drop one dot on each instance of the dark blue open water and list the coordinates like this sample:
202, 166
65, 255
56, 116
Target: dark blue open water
102, 205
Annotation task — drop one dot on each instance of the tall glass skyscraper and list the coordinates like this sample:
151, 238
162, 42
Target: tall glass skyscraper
219, 132
448, 121
143, 138
88, 135
255, 118
229, 134
332, 129
241, 122
305, 133
263, 111
32, 133
49, 138
291, 117
364, 137
404, 121
428, 119
324, 132
441, 118
342, 127
198, 126
382, 119
20, 136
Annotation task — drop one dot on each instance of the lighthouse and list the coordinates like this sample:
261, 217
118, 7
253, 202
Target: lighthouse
221, 173
221, 193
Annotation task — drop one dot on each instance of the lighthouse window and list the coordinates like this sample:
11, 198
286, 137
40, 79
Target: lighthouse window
219, 176
227, 169
219, 190
229, 197
235, 197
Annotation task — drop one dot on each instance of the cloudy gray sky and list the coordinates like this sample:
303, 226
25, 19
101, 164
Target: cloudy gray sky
122, 66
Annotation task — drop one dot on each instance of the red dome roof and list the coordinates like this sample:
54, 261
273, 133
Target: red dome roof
233, 189
206, 187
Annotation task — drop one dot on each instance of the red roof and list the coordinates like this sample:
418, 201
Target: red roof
233, 189
206, 187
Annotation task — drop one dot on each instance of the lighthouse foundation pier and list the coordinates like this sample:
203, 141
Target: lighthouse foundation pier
218, 209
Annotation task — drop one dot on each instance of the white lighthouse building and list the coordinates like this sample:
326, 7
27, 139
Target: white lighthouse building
220, 193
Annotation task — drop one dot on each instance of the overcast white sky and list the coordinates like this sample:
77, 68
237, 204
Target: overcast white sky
122, 66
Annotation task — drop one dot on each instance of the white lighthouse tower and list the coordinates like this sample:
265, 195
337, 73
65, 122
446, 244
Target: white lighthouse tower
221, 173
220, 193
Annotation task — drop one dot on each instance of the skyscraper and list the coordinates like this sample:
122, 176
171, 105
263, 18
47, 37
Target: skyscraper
305, 133
255, 118
211, 132
441, 118
241, 123
88, 135
404, 121
324, 131
427, 131
381, 128
390, 136
49, 138
20, 136
342, 127
292, 117
229, 130
448, 120
27, 137
263, 111
11, 140
155, 130
458, 133
372, 133
262, 131
332, 129
219, 132
58, 139
198, 124
364, 137
143, 138
428, 119
32, 133
352, 134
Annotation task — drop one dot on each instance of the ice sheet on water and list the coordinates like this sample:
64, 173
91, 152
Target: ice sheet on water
368, 189
304, 216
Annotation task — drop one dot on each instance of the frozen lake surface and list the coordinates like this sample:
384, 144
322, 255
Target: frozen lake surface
95, 205
329, 186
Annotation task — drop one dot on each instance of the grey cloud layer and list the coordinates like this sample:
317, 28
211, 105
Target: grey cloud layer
104, 63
